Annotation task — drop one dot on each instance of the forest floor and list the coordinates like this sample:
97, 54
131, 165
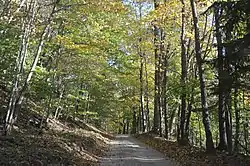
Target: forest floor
64, 143
190, 155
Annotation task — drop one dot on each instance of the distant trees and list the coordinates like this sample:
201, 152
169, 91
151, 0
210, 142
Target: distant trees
54, 60
206, 55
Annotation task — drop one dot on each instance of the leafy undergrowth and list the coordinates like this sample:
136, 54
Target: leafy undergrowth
189, 155
65, 143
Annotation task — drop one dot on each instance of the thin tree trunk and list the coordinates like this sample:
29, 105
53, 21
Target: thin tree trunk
200, 137
142, 122
205, 111
138, 122
237, 119
134, 122
229, 123
127, 126
57, 112
183, 75
178, 126
124, 126
245, 125
147, 97
142, 94
190, 106
171, 121
59, 108
47, 113
192, 136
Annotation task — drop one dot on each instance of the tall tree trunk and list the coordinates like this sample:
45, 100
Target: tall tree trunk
156, 124
221, 113
183, 140
142, 93
165, 100
161, 68
228, 92
141, 54
205, 111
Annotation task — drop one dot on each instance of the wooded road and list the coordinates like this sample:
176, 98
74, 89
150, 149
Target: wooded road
127, 151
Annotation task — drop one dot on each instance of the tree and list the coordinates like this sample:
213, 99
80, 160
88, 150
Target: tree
157, 110
18, 90
205, 111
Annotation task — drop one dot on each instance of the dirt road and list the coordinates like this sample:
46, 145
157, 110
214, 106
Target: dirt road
127, 151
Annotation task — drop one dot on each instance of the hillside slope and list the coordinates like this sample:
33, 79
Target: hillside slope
67, 143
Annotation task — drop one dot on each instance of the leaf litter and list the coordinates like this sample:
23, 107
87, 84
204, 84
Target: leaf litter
64, 143
192, 156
